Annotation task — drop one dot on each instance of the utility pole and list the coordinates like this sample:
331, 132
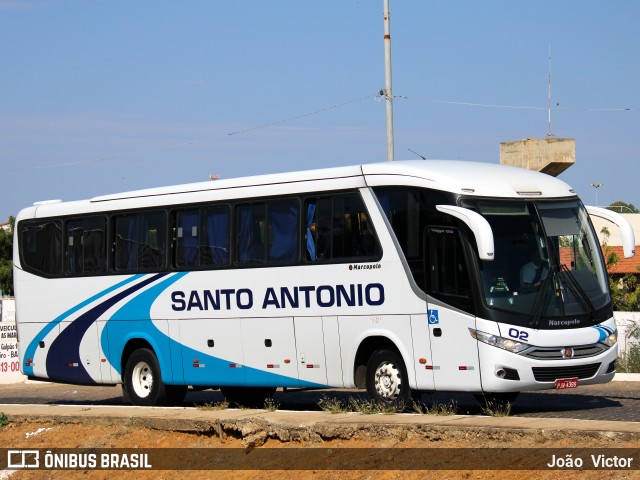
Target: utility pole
387, 81
597, 186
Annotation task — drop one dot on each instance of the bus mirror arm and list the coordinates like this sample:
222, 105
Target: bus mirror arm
626, 231
478, 225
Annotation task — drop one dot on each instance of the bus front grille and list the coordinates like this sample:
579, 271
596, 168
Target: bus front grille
551, 374
555, 353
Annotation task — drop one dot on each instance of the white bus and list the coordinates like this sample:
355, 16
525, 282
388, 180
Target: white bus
398, 277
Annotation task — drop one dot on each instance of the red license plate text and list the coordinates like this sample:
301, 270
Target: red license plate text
566, 383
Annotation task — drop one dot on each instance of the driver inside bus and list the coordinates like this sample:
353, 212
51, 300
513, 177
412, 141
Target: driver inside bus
534, 272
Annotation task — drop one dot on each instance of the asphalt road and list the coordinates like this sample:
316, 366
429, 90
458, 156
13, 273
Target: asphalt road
617, 401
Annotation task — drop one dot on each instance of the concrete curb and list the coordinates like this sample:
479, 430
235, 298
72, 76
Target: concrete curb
256, 426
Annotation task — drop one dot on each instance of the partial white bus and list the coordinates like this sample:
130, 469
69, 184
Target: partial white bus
400, 278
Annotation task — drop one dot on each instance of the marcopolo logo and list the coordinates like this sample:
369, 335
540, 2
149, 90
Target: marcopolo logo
365, 266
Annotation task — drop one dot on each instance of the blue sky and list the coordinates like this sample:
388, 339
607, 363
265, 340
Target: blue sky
103, 97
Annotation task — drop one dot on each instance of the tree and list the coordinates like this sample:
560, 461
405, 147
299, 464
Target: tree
622, 207
6, 259
625, 289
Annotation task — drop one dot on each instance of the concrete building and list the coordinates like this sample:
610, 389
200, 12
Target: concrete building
547, 155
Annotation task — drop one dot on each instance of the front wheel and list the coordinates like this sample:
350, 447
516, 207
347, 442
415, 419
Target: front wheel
387, 379
142, 380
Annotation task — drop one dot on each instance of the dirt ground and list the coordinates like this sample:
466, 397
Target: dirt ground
49, 435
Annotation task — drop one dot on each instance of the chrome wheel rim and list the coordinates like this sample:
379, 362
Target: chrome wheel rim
142, 379
388, 381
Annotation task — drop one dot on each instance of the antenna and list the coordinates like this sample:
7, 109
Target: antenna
421, 156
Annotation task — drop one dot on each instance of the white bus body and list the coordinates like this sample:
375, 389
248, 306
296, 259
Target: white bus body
399, 277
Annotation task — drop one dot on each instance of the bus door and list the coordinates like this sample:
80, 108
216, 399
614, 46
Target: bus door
310, 350
454, 352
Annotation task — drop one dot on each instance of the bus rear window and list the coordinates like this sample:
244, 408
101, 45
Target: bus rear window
42, 247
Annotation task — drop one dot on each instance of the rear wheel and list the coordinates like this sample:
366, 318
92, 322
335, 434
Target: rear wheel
142, 380
387, 379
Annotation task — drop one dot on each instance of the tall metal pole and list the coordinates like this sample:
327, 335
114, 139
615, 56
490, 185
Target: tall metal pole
387, 81
597, 186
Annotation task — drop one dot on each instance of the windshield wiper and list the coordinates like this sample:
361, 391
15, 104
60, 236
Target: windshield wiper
577, 290
541, 300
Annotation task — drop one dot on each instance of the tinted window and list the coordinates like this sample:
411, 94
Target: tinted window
214, 244
410, 211
202, 237
267, 232
187, 238
126, 242
140, 241
448, 279
250, 233
338, 228
86, 245
42, 247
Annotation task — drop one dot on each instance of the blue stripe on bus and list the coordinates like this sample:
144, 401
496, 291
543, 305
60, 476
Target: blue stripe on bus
133, 321
65, 349
603, 332
31, 349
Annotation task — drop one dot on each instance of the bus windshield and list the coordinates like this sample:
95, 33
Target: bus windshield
548, 263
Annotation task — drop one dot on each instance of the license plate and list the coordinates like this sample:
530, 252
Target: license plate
566, 383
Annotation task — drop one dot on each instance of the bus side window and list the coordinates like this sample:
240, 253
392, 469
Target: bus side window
250, 231
338, 228
126, 242
42, 247
152, 242
448, 279
214, 241
140, 241
187, 238
86, 245
319, 229
267, 233
283, 230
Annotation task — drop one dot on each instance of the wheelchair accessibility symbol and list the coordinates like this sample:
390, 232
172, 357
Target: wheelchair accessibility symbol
433, 317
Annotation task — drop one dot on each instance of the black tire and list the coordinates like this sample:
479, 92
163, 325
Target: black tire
248, 397
143, 381
387, 380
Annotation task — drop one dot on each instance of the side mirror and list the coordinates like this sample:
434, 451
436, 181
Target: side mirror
626, 231
478, 225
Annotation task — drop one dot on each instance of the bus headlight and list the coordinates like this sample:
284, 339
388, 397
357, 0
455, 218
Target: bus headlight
611, 339
500, 342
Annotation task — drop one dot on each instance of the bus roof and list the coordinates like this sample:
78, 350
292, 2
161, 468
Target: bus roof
451, 175
473, 178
